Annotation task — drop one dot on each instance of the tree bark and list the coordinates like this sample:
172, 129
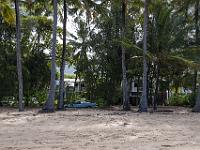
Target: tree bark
194, 86
196, 108
156, 97
62, 68
138, 90
143, 107
126, 104
49, 105
19, 59
197, 105
196, 42
197, 22
151, 84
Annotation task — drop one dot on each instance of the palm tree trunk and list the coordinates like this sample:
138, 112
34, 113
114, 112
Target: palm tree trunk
49, 105
19, 60
196, 108
196, 42
156, 97
194, 86
62, 68
197, 105
143, 102
126, 105
197, 21
138, 90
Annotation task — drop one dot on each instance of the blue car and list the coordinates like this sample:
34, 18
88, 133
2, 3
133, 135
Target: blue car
81, 104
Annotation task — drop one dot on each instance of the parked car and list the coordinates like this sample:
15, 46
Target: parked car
80, 104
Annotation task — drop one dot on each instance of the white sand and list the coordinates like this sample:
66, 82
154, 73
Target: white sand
89, 129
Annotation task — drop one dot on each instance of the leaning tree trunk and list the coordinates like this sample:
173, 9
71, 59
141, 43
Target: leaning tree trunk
49, 105
197, 105
62, 68
126, 105
143, 102
19, 60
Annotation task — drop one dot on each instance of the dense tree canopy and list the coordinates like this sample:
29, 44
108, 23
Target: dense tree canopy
106, 48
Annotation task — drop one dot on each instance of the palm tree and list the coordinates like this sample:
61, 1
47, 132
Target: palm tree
186, 4
7, 12
197, 21
143, 102
197, 105
62, 68
126, 105
49, 105
18, 51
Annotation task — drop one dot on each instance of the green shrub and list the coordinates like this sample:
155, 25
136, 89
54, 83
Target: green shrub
100, 102
75, 96
179, 100
38, 98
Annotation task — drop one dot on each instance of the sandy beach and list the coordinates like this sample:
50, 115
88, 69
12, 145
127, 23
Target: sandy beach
95, 129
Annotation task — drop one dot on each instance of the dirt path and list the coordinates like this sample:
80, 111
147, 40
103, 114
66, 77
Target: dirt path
99, 130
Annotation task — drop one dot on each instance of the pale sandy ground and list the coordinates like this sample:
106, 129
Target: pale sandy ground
89, 129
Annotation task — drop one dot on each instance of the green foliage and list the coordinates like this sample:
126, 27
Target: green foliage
70, 76
34, 61
179, 100
7, 12
36, 98
95, 49
75, 96
101, 103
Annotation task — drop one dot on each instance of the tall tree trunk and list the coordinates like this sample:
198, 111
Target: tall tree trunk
196, 108
62, 68
194, 86
148, 82
126, 104
197, 105
197, 22
138, 90
156, 96
143, 102
168, 93
196, 42
19, 59
49, 105
151, 84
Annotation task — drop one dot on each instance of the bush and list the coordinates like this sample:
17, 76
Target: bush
180, 100
100, 102
9, 101
37, 98
75, 96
